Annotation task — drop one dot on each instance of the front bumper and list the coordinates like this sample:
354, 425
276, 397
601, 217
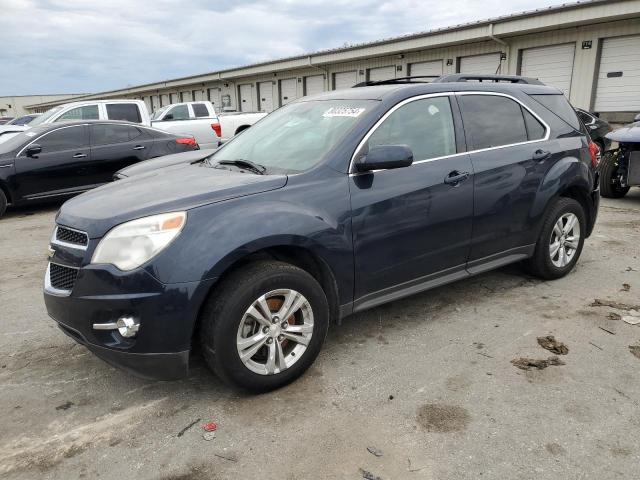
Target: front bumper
167, 314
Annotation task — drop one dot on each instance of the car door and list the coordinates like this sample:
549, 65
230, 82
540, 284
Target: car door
60, 167
412, 225
115, 146
510, 154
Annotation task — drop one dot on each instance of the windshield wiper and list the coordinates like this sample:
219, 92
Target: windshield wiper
248, 164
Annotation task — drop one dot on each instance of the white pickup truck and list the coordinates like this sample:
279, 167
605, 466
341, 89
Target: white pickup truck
201, 120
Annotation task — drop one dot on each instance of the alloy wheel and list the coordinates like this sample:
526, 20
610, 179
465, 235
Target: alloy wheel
565, 238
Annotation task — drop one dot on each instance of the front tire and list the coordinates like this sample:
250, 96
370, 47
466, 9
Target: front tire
560, 241
609, 185
3, 203
264, 326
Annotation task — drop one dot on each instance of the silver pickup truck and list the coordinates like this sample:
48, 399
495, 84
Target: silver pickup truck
201, 120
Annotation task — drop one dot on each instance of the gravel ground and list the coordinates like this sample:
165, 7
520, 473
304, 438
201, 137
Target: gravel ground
427, 382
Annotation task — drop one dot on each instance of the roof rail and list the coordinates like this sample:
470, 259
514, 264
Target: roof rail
463, 77
401, 80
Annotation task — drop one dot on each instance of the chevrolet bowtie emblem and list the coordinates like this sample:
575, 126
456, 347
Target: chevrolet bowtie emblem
50, 252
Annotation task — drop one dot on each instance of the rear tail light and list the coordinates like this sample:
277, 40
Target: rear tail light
595, 153
187, 141
217, 128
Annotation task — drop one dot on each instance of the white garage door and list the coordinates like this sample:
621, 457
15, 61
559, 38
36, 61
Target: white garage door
164, 98
246, 98
198, 95
551, 65
288, 90
619, 76
381, 73
425, 68
482, 64
186, 96
344, 80
313, 84
213, 95
265, 94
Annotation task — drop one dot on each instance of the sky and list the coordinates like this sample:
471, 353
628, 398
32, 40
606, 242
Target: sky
86, 46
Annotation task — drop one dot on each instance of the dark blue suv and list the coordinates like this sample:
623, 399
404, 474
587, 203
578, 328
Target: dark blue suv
330, 205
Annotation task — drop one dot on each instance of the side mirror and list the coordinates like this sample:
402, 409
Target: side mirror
168, 116
637, 118
33, 150
385, 157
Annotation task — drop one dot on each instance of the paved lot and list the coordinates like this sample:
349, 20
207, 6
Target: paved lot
426, 380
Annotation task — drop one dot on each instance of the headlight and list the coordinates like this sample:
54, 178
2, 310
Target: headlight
131, 244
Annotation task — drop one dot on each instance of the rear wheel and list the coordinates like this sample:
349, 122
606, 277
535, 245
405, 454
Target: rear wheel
560, 242
3, 203
264, 326
609, 183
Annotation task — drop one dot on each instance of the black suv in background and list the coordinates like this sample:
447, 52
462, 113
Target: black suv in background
56, 160
330, 205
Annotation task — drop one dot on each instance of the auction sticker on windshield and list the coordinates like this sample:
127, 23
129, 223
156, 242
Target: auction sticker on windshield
343, 112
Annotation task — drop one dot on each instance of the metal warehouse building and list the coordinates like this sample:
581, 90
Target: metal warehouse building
590, 50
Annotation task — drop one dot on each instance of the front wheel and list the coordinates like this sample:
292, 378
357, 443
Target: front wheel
264, 326
609, 182
560, 241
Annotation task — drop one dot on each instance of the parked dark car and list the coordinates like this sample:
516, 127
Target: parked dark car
620, 168
56, 160
24, 120
598, 129
331, 205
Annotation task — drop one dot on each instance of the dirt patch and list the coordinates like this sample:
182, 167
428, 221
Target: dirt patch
529, 363
550, 343
635, 350
199, 472
441, 418
555, 449
621, 452
598, 302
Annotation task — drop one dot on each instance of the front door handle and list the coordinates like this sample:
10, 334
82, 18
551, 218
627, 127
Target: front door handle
80, 155
455, 178
139, 147
540, 155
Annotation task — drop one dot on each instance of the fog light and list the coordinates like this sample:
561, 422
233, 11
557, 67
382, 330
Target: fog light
128, 326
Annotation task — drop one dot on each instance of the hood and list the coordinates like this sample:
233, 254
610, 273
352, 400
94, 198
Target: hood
166, 161
180, 187
13, 128
627, 134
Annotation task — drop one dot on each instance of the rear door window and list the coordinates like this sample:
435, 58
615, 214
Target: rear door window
425, 125
200, 110
179, 112
492, 121
87, 112
128, 112
112, 134
63, 139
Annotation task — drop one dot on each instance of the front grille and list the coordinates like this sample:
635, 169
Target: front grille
61, 277
67, 235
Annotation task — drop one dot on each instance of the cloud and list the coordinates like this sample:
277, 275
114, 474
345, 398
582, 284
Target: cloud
73, 46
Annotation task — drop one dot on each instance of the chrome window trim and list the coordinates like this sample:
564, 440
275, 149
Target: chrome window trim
47, 133
47, 282
352, 171
62, 243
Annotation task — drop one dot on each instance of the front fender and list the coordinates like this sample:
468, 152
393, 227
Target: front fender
218, 235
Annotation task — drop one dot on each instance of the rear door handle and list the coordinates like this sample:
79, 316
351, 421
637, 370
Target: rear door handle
139, 147
541, 155
80, 155
455, 178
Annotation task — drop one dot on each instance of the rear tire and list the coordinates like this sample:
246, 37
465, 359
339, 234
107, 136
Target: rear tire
559, 246
3, 203
609, 188
230, 327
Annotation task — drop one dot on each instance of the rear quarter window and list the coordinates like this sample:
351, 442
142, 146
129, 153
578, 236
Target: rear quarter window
200, 110
559, 106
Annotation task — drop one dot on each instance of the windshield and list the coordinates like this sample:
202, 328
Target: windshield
158, 113
296, 137
45, 116
13, 140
